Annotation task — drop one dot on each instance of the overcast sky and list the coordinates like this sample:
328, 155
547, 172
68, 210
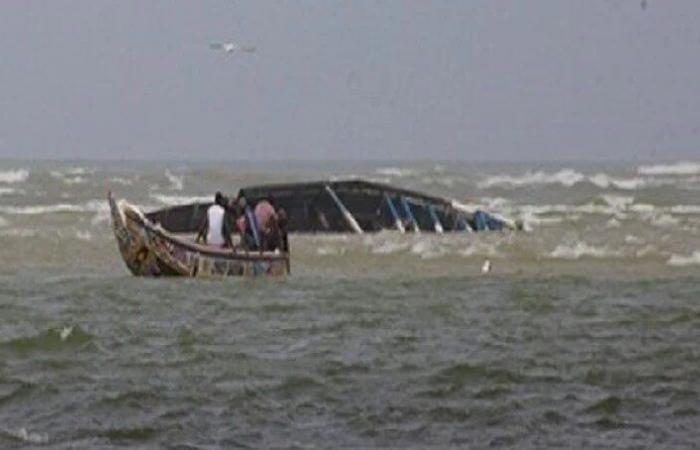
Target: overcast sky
477, 79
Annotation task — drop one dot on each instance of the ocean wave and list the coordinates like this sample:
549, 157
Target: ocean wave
6, 191
604, 181
176, 181
28, 437
79, 171
664, 220
3, 222
330, 251
395, 172
18, 233
89, 206
581, 249
83, 235
480, 248
564, 177
685, 209
570, 178
14, 176
172, 200
388, 247
613, 223
120, 180
427, 249
679, 168
682, 261
71, 176
617, 201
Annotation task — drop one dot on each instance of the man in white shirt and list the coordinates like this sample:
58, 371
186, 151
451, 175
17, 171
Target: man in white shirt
215, 230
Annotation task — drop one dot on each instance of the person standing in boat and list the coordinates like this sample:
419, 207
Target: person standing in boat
258, 226
216, 228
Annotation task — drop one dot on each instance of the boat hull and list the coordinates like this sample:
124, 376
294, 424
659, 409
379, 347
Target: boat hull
149, 250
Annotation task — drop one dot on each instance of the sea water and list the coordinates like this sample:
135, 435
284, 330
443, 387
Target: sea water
583, 335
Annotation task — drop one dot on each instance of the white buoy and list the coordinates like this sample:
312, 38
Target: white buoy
486, 267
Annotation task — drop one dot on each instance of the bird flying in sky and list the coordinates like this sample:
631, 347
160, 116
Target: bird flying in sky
230, 47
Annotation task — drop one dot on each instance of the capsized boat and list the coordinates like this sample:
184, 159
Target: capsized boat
348, 206
153, 248
359, 206
161, 242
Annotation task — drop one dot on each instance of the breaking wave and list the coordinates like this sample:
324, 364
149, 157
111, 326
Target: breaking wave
176, 182
14, 176
395, 172
28, 437
90, 206
6, 190
70, 177
569, 178
172, 200
679, 168
581, 249
682, 261
120, 180
604, 181
565, 177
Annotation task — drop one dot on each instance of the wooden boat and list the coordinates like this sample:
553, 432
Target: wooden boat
350, 206
150, 248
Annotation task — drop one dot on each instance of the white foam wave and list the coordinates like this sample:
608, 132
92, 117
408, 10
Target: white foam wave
627, 184
330, 251
570, 178
120, 180
176, 182
664, 220
14, 176
101, 216
90, 206
427, 249
685, 209
681, 260
564, 177
678, 168
18, 232
395, 172
479, 248
29, 437
582, 249
6, 190
79, 171
613, 223
71, 176
389, 247
617, 201
172, 200
645, 251
632, 239
83, 235
74, 180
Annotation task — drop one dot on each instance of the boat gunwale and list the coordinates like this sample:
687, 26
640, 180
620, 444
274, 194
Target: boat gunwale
203, 250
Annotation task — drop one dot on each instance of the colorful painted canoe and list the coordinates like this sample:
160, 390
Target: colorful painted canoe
149, 249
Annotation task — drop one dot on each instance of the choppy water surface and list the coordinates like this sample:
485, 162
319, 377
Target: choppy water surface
585, 335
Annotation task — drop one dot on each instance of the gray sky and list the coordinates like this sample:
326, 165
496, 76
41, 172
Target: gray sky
478, 79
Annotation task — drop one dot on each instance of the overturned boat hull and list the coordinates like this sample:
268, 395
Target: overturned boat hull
150, 250
349, 206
